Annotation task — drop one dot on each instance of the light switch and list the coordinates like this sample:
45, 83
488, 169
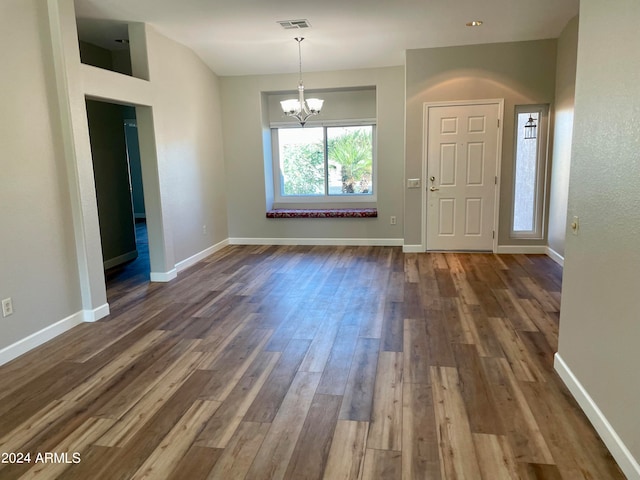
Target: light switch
575, 225
413, 183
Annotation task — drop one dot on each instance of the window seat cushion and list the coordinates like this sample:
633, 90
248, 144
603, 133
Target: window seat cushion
323, 213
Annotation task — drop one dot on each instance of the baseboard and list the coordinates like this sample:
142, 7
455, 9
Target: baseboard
120, 259
618, 449
555, 256
38, 338
522, 249
163, 277
95, 314
192, 260
377, 242
413, 249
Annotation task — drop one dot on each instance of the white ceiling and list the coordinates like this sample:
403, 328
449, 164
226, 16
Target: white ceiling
243, 37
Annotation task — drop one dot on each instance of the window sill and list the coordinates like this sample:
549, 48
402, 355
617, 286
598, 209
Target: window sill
323, 213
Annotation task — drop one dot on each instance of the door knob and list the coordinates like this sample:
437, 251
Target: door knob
432, 178
433, 189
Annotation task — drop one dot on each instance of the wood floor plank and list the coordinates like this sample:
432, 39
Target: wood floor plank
521, 427
385, 429
482, 413
420, 457
523, 365
320, 348
358, 395
514, 311
537, 471
336, 372
134, 419
477, 331
81, 438
498, 461
439, 350
237, 458
346, 456
197, 462
457, 451
393, 325
175, 444
415, 352
279, 444
309, 458
224, 422
382, 464
268, 400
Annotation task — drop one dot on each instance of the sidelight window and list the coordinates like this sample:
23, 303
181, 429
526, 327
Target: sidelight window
529, 171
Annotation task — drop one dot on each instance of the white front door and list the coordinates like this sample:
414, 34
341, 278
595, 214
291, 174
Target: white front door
462, 160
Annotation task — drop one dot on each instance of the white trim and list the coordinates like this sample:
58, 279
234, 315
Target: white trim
614, 443
192, 260
499, 102
413, 249
95, 314
376, 242
164, 277
555, 256
38, 338
522, 249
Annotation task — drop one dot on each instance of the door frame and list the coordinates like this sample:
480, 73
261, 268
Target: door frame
499, 102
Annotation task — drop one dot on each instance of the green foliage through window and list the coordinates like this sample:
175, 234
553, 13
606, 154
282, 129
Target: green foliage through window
326, 160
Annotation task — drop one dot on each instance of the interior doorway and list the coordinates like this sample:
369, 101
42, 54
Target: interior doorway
119, 192
462, 161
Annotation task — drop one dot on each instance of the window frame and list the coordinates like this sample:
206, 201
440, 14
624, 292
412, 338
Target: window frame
326, 199
542, 165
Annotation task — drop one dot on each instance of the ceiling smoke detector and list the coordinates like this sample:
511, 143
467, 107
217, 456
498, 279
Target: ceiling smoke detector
292, 24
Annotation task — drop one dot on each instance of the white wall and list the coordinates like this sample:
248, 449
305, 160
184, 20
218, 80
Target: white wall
563, 130
244, 132
600, 317
519, 72
187, 106
38, 267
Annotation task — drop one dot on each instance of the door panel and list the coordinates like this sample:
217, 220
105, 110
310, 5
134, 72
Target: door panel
447, 217
462, 149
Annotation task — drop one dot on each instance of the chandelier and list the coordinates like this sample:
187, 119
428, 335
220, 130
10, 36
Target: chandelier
299, 107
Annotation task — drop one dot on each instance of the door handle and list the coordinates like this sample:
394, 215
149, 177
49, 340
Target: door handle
433, 189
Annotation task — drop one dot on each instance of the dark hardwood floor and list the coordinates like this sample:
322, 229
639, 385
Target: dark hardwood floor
307, 363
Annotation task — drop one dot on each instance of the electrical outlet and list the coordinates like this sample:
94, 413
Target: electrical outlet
7, 307
204, 229
392, 220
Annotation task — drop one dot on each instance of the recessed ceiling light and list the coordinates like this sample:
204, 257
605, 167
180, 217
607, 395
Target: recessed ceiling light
475, 23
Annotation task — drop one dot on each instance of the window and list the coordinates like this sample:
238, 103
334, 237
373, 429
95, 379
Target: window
530, 171
325, 163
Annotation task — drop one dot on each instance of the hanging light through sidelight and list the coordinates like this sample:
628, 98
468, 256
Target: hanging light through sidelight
530, 128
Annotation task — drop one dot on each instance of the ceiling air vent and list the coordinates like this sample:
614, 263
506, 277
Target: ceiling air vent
291, 24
